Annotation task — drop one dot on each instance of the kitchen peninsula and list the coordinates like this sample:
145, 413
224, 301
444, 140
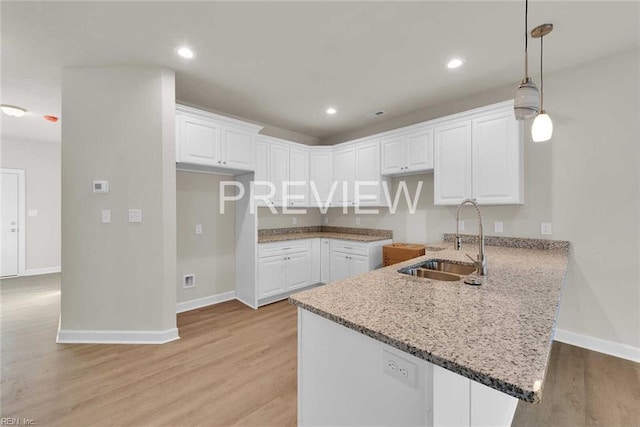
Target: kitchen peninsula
387, 348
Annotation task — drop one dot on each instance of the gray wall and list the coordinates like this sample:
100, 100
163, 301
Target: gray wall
210, 255
584, 181
118, 124
41, 163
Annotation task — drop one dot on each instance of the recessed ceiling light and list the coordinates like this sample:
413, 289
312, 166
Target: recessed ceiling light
331, 110
185, 52
454, 63
12, 110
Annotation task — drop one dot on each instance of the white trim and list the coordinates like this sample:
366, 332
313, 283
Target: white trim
22, 219
247, 303
612, 348
44, 270
116, 337
206, 301
181, 108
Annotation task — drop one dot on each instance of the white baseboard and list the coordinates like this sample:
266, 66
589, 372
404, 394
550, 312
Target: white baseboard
203, 302
246, 303
612, 348
38, 271
116, 337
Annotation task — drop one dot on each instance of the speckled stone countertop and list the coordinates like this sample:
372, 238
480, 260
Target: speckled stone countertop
342, 233
498, 334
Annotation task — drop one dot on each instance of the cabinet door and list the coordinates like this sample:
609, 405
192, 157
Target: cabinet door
368, 174
261, 175
496, 153
344, 171
325, 261
359, 264
420, 151
320, 176
394, 157
238, 149
271, 276
339, 266
200, 142
452, 163
298, 270
299, 174
316, 260
278, 169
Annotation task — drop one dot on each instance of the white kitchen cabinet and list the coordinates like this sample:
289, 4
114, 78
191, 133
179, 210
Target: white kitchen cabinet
479, 156
278, 170
260, 188
287, 170
316, 260
213, 141
283, 267
325, 261
340, 266
352, 258
320, 176
407, 154
298, 177
344, 173
356, 168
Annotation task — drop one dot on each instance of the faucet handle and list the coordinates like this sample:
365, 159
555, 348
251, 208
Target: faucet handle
458, 243
471, 258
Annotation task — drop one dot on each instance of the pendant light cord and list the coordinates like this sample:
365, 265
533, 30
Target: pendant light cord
541, 78
526, 39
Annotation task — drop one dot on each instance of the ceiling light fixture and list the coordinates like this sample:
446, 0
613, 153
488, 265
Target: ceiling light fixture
12, 110
542, 127
185, 52
331, 110
527, 100
454, 63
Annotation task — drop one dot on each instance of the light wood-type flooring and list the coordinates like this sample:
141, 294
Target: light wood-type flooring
232, 365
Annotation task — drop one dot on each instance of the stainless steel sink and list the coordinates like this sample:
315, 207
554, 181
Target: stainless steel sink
439, 269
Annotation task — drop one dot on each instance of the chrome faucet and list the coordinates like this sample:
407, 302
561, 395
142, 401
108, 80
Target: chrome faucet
481, 262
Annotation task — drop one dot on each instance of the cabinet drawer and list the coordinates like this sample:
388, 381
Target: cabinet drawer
281, 248
346, 246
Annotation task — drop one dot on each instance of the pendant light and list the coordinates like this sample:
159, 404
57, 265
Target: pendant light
527, 100
542, 127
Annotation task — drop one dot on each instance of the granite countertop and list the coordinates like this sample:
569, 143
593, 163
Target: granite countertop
342, 233
498, 334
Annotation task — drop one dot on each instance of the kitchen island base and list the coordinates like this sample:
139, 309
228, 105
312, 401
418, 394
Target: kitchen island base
347, 378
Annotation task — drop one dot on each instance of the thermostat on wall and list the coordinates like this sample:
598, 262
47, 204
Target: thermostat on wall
100, 186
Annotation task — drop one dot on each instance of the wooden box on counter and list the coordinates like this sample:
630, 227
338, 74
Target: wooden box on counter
398, 252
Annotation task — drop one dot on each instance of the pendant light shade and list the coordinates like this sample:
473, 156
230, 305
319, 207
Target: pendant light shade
526, 104
542, 128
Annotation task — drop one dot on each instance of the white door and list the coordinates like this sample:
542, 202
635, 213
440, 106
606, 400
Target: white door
271, 280
200, 142
452, 163
344, 171
9, 220
420, 151
497, 159
299, 174
339, 266
393, 156
359, 264
238, 149
298, 272
368, 174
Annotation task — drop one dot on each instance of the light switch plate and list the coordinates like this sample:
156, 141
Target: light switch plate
294, 220
545, 228
198, 228
135, 215
461, 225
357, 221
498, 227
106, 216
326, 220
32, 212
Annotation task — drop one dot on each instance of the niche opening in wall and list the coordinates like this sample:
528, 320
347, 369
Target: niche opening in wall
188, 281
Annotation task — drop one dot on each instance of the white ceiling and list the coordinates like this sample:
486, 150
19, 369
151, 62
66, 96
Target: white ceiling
284, 63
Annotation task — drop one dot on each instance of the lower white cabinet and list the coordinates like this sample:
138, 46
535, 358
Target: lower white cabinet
344, 265
325, 260
284, 267
352, 258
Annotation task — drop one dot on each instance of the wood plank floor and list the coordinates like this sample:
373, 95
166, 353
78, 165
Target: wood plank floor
232, 366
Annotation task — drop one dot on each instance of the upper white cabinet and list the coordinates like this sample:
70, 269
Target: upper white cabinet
205, 139
287, 168
321, 176
407, 154
479, 155
344, 173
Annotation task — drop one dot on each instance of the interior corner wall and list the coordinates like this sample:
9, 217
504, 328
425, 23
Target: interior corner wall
585, 182
41, 163
209, 256
118, 125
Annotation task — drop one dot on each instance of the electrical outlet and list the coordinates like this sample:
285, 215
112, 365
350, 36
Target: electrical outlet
188, 281
545, 228
135, 215
326, 220
105, 216
357, 221
399, 368
461, 225
294, 220
198, 228
497, 227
